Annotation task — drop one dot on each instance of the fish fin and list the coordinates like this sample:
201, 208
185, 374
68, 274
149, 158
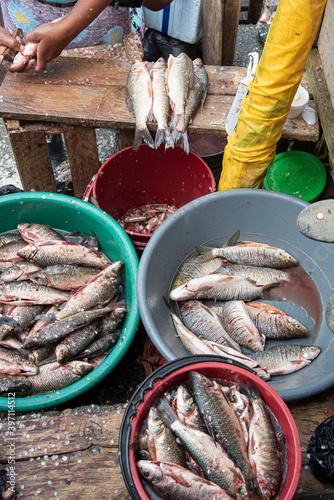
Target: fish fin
233, 239
203, 249
162, 135
143, 135
46, 361
182, 139
169, 141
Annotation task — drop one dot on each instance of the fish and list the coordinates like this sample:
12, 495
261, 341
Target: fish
96, 293
260, 275
33, 233
99, 346
223, 424
214, 462
240, 327
205, 323
179, 78
19, 271
274, 323
196, 97
76, 342
196, 266
112, 320
9, 236
9, 251
160, 106
172, 481
186, 409
18, 318
241, 405
161, 441
219, 287
263, 450
27, 293
139, 99
23, 57
64, 276
53, 331
12, 363
53, 377
251, 253
191, 342
285, 359
47, 253
40, 354
10, 383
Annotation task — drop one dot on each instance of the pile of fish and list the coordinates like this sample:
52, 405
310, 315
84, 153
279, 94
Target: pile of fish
216, 291
171, 93
147, 218
62, 305
212, 439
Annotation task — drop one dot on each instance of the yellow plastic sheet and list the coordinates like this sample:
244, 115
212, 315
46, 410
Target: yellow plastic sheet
252, 146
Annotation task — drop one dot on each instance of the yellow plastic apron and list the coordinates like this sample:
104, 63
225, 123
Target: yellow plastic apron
251, 148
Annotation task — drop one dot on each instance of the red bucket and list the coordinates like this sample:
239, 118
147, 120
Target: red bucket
130, 179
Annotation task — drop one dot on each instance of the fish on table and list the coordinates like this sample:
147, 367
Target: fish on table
160, 103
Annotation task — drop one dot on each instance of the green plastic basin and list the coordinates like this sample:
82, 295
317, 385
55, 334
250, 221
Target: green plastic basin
298, 174
70, 214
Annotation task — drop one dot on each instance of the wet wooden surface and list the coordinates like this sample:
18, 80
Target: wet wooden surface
74, 454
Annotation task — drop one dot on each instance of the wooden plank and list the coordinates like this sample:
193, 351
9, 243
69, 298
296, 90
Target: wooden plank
230, 30
323, 101
32, 160
212, 27
82, 155
326, 47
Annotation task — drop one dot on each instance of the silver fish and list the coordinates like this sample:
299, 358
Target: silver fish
38, 232
179, 78
285, 359
76, 342
240, 327
251, 253
205, 323
160, 105
64, 276
172, 481
139, 93
12, 363
219, 287
195, 99
260, 275
27, 293
19, 271
274, 323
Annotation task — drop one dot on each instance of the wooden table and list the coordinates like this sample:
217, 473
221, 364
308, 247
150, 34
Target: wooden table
75, 454
85, 89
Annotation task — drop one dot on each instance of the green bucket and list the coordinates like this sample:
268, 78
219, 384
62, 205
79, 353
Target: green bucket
70, 214
298, 174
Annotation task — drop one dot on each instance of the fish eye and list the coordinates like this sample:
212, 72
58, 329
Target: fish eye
146, 473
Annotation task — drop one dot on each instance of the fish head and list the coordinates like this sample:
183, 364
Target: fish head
63, 352
40, 278
8, 326
254, 344
198, 63
296, 328
310, 351
81, 368
199, 382
154, 422
28, 252
184, 401
150, 471
113, 270
287, 259
242, 493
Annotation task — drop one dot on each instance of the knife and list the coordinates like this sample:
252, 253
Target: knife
232, 117
8, 56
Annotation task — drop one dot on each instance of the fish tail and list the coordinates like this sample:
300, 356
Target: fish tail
269, 285
169, 141
46, 361
167, 414
143, 135
208, 252
161, 136
182, 139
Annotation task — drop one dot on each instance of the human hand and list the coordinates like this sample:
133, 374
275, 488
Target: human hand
50, 39
7, 41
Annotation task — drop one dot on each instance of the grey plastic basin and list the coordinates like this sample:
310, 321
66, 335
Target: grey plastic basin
262, 216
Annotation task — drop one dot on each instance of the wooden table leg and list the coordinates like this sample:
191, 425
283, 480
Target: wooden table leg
82, 155
126, 137
33, 160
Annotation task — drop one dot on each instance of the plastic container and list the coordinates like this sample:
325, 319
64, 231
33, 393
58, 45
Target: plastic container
297, 173
175, 372
182, 19
262, 216
69, 214
299, 102
211, 149
130, 179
